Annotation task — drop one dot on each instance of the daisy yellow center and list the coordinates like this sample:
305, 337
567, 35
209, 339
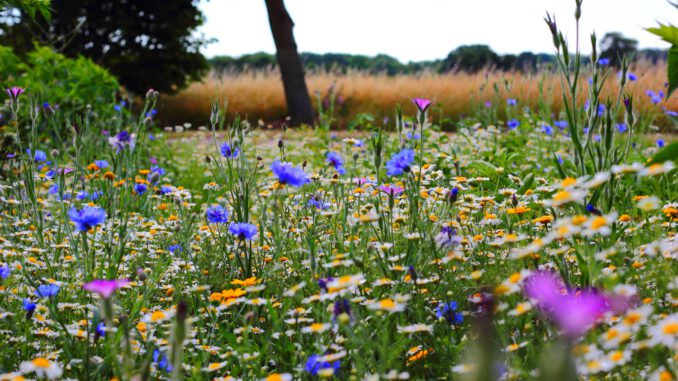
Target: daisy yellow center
514, 278
632, 318
568, 181
616, 356
387, 303
671, 328
598, 223
157, 315
41, 362
315, 327
561, 196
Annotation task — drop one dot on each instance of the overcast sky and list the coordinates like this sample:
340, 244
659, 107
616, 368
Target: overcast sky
415, 30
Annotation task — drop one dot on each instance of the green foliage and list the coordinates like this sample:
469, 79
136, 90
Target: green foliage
669, 152
672, 70
144, 43
669, 33
31, 7
71, 83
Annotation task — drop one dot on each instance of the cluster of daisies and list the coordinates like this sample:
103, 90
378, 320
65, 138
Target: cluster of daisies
408, 255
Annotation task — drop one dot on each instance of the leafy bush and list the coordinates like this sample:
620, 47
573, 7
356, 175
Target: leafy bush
71, 83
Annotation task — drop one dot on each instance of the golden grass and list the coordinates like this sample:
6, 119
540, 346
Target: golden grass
259, 94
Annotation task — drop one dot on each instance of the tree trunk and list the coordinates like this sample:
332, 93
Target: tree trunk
296, 93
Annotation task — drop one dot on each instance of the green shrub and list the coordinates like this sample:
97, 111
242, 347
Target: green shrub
71, 83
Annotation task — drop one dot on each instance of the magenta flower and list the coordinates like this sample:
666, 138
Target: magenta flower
14, 92
104, 287
575, 312
422, 103
391, 190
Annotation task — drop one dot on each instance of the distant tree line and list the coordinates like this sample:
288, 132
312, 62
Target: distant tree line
466, 58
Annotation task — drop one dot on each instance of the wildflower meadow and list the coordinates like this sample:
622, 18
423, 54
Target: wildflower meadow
525, 245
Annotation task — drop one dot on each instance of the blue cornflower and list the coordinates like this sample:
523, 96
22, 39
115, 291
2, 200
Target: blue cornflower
561, 124
511, 102
165, 189
621, 127
601, 109
49, 175
47, 290
101, 163
177, 248
243, 230
289, 174
217, 214
38, 156
660, 143
228, 152
603, 61
448, 311
29, 306
547, 129
513, 124
412, 136
161, 361
4, 271
82, 195
335, 160
100, 329
632, 77
140, 188
314, 365
400, 162
87, 217
316, 202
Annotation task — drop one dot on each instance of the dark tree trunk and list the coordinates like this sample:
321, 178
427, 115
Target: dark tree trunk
296, 93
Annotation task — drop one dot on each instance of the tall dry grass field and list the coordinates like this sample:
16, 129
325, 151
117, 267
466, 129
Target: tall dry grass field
259, 94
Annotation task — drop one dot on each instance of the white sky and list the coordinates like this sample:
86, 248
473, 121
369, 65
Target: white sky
415, 30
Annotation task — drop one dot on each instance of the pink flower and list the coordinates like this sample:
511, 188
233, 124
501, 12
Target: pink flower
14, 92
422, 103
391, 190
105, 288
575, 312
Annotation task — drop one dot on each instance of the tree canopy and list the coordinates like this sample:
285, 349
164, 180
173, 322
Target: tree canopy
145, 43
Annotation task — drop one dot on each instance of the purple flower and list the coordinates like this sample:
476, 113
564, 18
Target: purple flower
400, 162
422, 104
104, 287
242, 230
513, 124
335, 160
14, 92
573, 311
317, 203
289, 174
121, 140
228, 152
217, 214
87, 217
391, 190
